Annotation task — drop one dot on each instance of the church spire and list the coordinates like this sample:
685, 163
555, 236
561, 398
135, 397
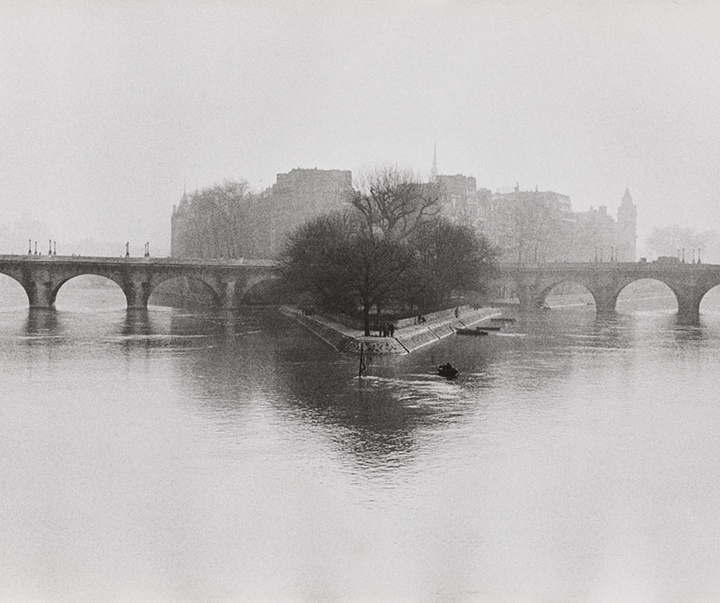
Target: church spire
626, 197
434, 171
626, 229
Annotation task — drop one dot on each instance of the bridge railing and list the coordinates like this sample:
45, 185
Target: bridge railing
607, 266
164, 261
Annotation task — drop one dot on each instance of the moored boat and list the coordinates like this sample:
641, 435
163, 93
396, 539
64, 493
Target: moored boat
447, 370
475, 331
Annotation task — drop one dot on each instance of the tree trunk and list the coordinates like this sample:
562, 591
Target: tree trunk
366, 319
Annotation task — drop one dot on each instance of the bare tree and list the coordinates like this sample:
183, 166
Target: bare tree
394, 202
217, 218
530, 229
227, 203
674, 239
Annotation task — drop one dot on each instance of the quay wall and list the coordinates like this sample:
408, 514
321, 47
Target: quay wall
407, 338
333, 337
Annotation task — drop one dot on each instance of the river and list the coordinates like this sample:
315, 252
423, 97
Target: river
175, 455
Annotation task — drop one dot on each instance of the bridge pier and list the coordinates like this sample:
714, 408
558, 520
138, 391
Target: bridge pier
227, 294
605, 301
688, 308
40, 294
137, 292
531, 300
40, 288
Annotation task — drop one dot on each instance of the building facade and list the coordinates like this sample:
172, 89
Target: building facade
299, 196
527, 226
255, 226
459, 201
541, 226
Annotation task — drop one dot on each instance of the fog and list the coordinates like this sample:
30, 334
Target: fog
111, 109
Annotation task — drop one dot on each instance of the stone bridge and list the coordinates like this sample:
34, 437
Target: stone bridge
605, 280
230, 280
43, 276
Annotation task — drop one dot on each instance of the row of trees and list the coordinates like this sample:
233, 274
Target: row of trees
673, 240
530, 229
388, 249
216, 222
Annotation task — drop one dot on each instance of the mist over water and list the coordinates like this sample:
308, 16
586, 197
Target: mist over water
184, 455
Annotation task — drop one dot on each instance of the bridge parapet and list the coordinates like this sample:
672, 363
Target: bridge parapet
134, 261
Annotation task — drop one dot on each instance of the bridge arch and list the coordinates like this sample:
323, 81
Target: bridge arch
648, 288
44, 284
45, 294
548, 287
187, 286
604, 292
15, 286
255, 283
66, 286
711, 298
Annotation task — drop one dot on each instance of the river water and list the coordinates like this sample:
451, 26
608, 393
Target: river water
175, 455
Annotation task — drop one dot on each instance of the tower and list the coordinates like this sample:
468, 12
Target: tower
626, 230
434, 171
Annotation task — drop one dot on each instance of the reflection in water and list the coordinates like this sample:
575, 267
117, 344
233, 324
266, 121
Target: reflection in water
689, 333
255, 356
137, 322
42, 322
173, 455
368, 419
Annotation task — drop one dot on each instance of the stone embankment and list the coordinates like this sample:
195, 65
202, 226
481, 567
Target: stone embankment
409, 336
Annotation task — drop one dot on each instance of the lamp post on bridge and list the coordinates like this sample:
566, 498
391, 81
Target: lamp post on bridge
127, 249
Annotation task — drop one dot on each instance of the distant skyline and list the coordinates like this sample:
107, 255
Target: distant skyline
108, 109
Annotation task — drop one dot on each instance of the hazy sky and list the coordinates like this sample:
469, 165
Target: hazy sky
108, 108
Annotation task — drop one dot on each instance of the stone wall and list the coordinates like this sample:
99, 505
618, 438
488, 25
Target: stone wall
407, 339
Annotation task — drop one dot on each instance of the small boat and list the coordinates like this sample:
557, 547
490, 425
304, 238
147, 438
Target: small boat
489, 328
447, 370
475, 331
502, 319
